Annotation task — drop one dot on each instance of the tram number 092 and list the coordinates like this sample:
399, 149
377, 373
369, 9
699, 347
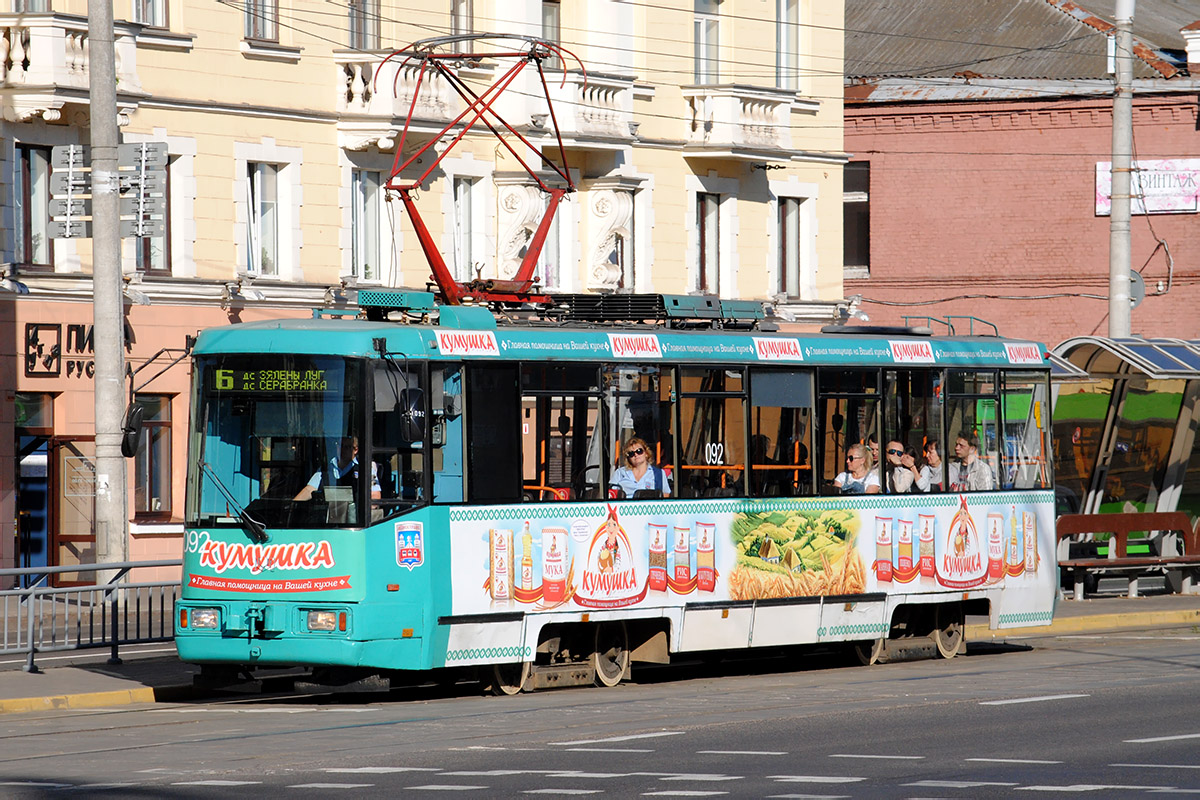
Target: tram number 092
714, 453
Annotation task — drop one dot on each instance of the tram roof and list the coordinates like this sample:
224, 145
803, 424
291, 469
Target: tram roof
356, 337
1161, 358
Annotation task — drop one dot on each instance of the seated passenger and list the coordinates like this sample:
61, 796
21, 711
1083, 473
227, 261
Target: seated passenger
640, 472
858, 477
902, 467
930, 478
969, 473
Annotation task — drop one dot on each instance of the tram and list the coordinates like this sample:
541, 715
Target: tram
423, 489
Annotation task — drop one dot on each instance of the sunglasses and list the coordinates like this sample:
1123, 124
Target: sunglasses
632, 453
853, 458
895, 452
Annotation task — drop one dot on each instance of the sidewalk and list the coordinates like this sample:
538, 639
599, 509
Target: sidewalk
87, 681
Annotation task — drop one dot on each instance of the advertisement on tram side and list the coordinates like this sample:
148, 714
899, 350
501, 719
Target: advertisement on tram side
621, 555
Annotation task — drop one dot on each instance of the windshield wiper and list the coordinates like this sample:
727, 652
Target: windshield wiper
253, 528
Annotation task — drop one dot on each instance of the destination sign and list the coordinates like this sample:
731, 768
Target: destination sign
269, 380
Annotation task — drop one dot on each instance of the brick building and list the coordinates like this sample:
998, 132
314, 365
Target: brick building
980, 138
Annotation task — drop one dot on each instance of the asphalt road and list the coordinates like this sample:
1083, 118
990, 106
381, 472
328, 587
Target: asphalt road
1106, 716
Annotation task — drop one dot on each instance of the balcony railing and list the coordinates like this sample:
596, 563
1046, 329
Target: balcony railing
739, 118
44, 64
378, 96
600, 107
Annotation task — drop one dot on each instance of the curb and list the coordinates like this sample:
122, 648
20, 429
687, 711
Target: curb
61, 702
1085, 624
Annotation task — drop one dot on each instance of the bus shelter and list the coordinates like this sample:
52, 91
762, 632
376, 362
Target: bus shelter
1125, 429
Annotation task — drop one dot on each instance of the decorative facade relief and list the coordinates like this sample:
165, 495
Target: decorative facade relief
521, 209
610, 222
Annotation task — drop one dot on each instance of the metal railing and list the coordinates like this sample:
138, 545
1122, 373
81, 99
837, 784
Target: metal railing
39, 618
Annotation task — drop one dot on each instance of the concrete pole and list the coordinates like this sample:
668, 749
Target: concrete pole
1119, 246
112, 518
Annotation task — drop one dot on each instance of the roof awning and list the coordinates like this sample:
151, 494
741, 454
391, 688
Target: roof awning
1063, 370
1164, 358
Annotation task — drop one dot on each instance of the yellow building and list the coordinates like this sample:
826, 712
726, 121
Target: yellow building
705, 141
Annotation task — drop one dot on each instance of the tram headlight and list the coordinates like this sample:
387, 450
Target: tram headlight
206, 618
322, 620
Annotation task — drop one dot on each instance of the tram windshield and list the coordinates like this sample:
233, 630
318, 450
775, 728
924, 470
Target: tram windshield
277, 436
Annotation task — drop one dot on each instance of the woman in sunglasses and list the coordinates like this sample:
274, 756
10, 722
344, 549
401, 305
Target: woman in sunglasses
858, 478
639, 472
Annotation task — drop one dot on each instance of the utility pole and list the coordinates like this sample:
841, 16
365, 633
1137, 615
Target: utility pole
112, 519
1119, 246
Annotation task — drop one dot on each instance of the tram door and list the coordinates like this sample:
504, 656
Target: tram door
73, 539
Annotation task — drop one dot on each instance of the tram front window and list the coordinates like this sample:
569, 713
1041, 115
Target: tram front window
279, 437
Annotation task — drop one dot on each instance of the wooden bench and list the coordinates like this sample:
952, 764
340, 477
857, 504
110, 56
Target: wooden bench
1180, 569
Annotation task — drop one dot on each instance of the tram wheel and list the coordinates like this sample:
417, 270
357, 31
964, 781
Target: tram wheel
509, 679
869, 652
947, 631
611, 654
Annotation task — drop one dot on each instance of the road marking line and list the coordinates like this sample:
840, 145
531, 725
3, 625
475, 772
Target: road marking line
42, 784
1159, 766
958, 784
1012, 761
807, 796
1041, 699
447, 787
216, 783
331, 786
381, 770
605, 750
1089, 787
629, 738
702, 777
1163, 738
566, 773
814, 779
479, 773
682, 793
742, 752
868, 755
563, 791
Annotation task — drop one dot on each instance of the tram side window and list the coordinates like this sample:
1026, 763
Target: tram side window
848, 414
1027, 461
781, 415
972, 405
912, 424
560, 433
712, 430
493, 433
398, 439
639, 407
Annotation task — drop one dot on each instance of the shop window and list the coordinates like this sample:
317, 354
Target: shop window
781, 416
152, 462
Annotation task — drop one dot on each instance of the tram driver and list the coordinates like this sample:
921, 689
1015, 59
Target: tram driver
342, 471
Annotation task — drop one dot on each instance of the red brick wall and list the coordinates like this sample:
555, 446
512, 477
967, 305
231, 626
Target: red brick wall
997, 201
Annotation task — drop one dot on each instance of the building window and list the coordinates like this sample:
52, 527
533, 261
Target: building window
262, 20
552, 29
366, 191
462, 17
34, 248
152, 462
550, 259
464, 228
364, 24
857, 217
706, 27
708, 265
153, 253
262, 219
30, 6
150, 12
789, 245
787, 44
